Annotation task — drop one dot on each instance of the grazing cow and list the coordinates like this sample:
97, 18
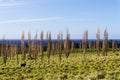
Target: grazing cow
23, 64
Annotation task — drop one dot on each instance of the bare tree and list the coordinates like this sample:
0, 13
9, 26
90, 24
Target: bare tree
90, 45
84, 44
113, 45
16, 52
41, 46
32, 50
53, 48
29, 44
94, 45
67, 45
48, 46
105, 42
23, 47
4, 51
98, 42
73, 47
35, 47
60, 46
11, 51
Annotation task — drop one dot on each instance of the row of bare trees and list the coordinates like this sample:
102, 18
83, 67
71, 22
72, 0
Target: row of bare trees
9, 51
36, 49
96, 44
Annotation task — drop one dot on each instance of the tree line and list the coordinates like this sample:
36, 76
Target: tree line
33, 48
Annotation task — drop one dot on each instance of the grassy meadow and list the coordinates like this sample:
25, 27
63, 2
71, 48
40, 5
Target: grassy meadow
94, 68
60, 60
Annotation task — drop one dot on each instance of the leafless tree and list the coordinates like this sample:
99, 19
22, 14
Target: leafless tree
29, 44
90, 45
113, 45
48, 46
98, 42
105, 42
60, 46
4, 51
53, 48
80, 45
23, 47
73, 47
35, 46
41, 46
67, 45
84, 44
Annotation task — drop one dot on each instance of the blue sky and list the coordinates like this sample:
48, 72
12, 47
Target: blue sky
56, 16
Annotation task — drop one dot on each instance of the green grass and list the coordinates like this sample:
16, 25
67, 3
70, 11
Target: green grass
104, 68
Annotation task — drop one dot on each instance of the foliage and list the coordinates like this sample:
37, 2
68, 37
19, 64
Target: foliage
75, 69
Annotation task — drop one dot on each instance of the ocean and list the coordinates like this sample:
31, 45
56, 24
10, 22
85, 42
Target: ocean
77, 41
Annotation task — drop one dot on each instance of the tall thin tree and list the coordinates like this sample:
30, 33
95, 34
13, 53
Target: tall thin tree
23, 47
67, 45
105, 42
53, 48
60, 46
16, 52
98, 42
3, 51
113, 46
84, 43
35, 47
29, 44
48, 46
73, 47
41, 46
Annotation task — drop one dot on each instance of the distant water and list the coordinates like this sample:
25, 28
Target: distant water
77, 41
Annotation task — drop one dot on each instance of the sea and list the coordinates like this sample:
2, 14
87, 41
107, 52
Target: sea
77, 41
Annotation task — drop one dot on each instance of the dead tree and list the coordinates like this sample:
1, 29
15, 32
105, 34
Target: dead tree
32, 50
53, 48
73, 47
41, 46
67, 45
113, 46
98, 42
84, 44
105, 42
90, 45
60, 46
23, 47
4, 51
16, 52
48, 46
29, 45
35, 47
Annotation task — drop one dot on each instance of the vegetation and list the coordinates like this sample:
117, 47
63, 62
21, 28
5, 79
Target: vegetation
98, 42
84, 44
74, 69
105, 43
35, 62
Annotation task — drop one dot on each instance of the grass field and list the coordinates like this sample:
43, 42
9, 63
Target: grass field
94, 68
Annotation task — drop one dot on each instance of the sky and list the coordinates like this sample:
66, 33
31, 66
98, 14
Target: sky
34, 16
